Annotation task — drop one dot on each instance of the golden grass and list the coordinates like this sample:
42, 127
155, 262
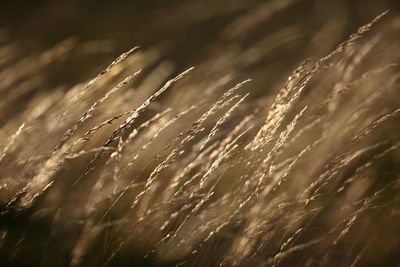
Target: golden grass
193, 173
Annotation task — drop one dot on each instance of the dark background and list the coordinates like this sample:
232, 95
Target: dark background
184, 29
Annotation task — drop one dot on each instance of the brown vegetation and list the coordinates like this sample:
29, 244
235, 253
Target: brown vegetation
145, 166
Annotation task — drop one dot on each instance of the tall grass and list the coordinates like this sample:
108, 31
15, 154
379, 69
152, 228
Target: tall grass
145, 166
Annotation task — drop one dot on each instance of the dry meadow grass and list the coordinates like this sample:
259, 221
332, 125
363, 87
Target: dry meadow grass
220, 164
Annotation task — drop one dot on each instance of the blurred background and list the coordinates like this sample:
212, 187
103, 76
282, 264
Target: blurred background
186, 32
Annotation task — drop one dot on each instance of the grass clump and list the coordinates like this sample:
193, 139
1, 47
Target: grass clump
204, 167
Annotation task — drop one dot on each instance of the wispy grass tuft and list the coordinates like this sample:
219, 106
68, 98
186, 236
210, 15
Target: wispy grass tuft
149, 165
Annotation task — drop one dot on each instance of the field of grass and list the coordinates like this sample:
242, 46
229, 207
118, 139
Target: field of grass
264, 142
